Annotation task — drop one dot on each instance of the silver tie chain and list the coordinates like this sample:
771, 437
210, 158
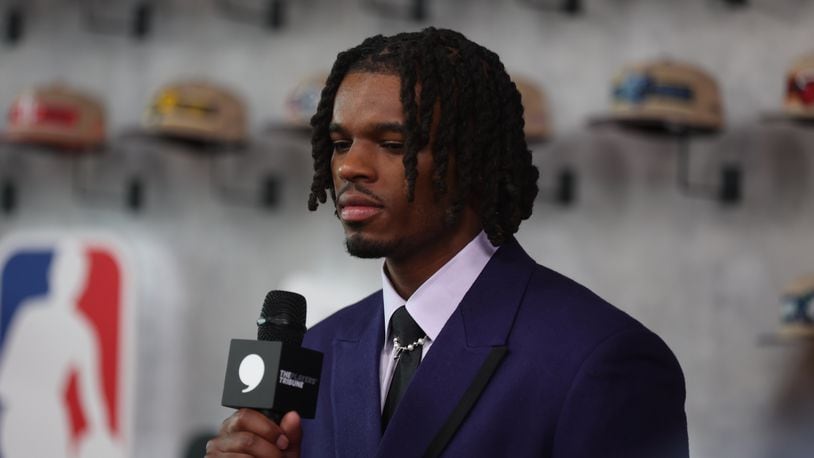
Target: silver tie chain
398, 348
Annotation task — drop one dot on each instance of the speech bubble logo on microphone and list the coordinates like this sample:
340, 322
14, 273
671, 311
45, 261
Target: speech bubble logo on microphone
251, 371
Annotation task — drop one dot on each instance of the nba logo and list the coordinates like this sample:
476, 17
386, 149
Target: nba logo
66, 349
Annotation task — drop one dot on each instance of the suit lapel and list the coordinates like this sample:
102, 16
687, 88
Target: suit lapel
355, 385
482, 321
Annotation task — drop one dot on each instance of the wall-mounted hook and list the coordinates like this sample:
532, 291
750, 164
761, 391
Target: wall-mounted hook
272, 16
731, 178
9, 164
8, 196
142, 20
270, 191
135, 193
129, 187
415, 10
728, 191
265, 193
567, 187
563, 192
571, 7
138, 24
419, 10
14, 24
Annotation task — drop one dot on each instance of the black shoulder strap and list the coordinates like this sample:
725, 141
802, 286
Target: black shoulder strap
467, 401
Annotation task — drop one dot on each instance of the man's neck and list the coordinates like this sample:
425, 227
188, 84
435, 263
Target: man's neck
408, 273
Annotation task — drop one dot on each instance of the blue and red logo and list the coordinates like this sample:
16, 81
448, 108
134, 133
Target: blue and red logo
64, 350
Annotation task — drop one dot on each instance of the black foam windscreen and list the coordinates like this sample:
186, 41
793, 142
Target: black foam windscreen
282, 318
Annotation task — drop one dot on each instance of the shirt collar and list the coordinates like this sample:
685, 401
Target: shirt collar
434, 301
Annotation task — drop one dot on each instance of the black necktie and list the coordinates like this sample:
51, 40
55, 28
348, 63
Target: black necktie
408, 341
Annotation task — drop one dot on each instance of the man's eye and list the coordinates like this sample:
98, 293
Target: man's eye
341, 145
395, 147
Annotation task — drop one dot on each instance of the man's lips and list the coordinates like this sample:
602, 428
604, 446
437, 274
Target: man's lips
356, 207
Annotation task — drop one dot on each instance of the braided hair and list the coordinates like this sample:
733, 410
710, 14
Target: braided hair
480, 124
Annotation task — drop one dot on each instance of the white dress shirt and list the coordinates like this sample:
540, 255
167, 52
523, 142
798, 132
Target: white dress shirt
434, 301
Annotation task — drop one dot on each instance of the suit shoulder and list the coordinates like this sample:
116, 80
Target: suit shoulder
563, 324
570, 310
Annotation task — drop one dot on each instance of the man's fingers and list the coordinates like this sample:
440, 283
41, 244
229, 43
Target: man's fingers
251, 421
292, 427
249, 434
240, 443
227, 455
214, 450
290, 440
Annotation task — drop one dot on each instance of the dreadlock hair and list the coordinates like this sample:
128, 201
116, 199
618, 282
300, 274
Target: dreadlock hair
480, 123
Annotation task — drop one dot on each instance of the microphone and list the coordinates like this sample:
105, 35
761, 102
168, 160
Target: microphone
282, 318
274, 374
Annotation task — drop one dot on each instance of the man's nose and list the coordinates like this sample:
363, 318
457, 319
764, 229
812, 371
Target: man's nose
357, 163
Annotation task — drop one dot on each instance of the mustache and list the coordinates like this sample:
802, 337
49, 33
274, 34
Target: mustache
358, 188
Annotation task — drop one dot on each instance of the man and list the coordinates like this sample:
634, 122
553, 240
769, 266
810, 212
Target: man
418, 138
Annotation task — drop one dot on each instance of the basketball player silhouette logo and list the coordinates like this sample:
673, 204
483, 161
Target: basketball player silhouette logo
58, 391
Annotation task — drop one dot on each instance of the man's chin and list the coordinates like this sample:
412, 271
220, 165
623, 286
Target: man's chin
363, 247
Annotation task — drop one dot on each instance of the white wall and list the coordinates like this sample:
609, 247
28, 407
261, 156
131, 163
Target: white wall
704, 277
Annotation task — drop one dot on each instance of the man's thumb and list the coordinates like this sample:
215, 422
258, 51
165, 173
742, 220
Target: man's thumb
292, 428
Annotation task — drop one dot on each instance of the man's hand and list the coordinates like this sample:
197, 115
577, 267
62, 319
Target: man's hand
248, 433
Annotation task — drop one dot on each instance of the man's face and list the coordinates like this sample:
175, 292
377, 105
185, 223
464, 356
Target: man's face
368, 135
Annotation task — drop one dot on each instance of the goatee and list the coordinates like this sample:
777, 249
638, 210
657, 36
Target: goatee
361, 247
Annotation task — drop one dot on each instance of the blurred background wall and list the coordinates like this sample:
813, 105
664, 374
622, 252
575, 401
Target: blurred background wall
704, 276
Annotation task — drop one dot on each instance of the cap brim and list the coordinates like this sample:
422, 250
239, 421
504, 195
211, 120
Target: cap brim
288, 127
784, 337
651, 125
771, 117
201, 139
50, 142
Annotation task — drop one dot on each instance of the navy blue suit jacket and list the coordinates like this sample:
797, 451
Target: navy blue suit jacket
580, 378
